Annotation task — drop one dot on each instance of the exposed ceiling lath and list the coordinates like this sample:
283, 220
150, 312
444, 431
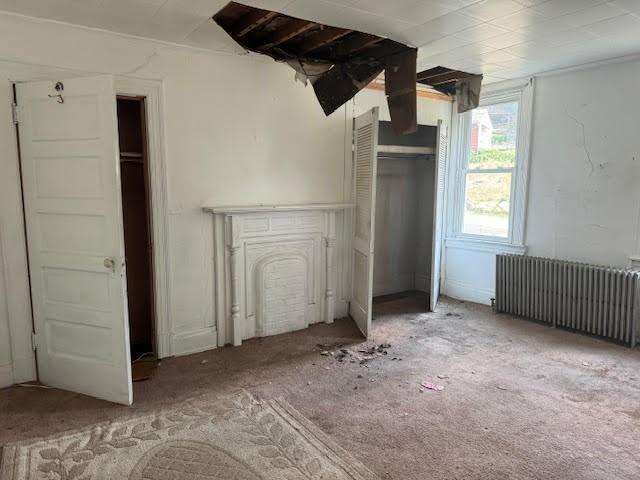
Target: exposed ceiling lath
338, 62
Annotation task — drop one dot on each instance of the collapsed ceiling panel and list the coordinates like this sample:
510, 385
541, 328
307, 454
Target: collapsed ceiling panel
465, 86
338, 62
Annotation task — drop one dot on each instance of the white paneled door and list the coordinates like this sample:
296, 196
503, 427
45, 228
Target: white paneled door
69, 153
441, 164
366, 164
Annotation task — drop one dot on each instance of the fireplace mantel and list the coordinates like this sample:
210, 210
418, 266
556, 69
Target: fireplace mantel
274, 267
260, 208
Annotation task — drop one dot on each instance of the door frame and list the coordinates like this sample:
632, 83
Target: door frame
152, 92
19, 323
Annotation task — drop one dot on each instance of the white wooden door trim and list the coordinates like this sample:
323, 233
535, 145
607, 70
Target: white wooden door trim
152, 91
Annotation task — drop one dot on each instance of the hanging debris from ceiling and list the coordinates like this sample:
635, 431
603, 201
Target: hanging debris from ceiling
465, 86
338, 62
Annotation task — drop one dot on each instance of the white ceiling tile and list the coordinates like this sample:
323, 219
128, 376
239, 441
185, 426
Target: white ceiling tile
481, 32
487, 10
274, 5
530, 3
203, 8
594, 14
317, 10
413, 11
628, 5
565, 37
616, 25
555, 8
210, 35
439, 27
519, 20
547, 26
529, 48
370, 23
176, 25
507, 39
499, 57
442, 45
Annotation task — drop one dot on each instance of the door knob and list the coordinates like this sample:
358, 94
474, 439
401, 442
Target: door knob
110, 263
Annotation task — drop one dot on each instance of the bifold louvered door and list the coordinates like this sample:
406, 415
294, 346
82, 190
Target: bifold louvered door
593, 299
365, 153
441, 164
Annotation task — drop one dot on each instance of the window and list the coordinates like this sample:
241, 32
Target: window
489, 167
491, 157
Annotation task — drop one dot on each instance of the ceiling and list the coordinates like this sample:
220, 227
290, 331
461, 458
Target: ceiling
500, 38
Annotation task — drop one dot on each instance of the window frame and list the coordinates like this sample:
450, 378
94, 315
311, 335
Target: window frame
522, 92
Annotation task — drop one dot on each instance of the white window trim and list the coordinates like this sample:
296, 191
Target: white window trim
522, 91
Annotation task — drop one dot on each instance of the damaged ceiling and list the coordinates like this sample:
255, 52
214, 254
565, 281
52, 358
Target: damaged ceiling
338, 62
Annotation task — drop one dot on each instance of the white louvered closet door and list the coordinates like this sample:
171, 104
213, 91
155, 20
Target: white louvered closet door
366, 165
441, 164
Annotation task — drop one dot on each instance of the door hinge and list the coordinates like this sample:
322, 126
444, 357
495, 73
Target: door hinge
34, 341
14, 114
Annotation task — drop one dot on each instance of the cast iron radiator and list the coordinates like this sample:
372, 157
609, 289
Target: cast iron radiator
593, 299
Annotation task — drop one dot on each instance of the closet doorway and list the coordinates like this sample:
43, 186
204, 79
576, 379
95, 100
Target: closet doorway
136, 218
404, 217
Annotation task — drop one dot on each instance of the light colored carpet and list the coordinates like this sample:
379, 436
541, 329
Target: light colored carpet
228, 438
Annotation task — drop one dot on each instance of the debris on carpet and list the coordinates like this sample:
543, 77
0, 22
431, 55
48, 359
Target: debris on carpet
432, 386
363, 355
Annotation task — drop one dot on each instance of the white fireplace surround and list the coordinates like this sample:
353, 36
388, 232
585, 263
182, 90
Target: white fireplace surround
275, 268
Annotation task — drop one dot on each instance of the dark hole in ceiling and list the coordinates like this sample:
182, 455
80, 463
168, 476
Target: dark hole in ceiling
338, 62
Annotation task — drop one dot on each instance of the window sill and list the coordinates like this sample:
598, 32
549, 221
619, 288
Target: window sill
482, 245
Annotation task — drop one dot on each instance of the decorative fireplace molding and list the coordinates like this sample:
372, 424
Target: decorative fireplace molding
275, 268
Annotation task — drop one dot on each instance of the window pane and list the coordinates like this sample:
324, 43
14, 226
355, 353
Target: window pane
493, 136
486, 208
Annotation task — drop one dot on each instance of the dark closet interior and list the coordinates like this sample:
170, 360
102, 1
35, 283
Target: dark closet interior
134, 177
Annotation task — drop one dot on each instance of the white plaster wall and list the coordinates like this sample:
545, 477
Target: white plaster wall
238, 130
584, 193
584, 177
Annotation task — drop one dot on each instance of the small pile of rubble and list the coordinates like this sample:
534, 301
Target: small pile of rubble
362, 355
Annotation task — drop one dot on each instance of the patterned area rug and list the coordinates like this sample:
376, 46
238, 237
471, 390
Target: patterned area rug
223, 438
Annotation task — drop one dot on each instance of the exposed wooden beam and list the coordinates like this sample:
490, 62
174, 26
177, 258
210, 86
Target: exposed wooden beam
356, 42
250, 22
432, 72
290, 30
320, 39
446, 78
379, 85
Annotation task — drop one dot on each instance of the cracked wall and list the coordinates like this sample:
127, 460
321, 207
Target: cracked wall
584, 183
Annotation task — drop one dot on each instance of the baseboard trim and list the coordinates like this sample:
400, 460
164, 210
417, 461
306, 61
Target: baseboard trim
467, 292
195, 341
6, 375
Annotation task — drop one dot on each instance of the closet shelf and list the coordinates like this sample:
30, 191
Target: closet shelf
130, 155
